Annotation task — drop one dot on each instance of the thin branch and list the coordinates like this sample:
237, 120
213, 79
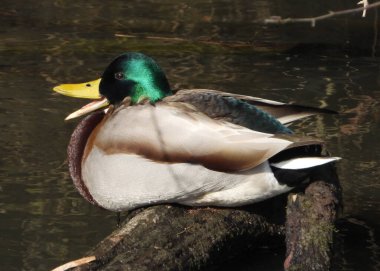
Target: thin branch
313, 20
75, 263
232, 44
375, 33
365, 5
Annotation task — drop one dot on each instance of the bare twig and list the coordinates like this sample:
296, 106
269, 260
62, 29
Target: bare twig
174, 39
313, 20
365, 5
75, 263
375, 32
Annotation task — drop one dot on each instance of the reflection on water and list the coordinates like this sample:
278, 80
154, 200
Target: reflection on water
44, 221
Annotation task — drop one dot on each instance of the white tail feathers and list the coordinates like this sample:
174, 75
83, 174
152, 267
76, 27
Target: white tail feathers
304, 162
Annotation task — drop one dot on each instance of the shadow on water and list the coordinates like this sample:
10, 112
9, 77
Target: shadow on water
43, 220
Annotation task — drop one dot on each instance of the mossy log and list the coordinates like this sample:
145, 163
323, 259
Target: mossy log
310, 222
172, 237
167, 237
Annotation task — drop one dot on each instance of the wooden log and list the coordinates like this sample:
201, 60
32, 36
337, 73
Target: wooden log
172, 237
167, 237
310, 222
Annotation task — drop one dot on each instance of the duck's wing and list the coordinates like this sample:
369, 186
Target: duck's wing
174, 132
251, 112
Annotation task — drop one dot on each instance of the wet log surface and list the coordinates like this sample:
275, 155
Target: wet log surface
173, 237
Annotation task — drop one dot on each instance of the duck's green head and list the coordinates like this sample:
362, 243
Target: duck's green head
134, 75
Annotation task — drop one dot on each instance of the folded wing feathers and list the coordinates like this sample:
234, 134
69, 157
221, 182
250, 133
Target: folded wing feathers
285, 113
185, 135
176, 132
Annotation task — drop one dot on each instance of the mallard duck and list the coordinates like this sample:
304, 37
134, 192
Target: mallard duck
196, 147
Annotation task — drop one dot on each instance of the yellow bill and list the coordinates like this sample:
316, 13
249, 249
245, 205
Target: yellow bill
88, 90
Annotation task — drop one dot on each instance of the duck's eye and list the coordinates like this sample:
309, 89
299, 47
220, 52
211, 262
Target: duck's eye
119, 75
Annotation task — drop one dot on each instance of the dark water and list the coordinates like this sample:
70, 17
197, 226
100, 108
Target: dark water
43, 220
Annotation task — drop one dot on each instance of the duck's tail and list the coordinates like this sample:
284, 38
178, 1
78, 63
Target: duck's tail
295, 164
